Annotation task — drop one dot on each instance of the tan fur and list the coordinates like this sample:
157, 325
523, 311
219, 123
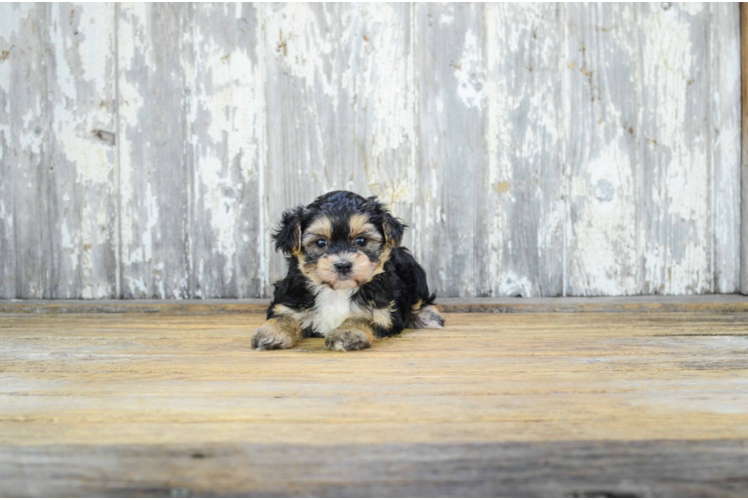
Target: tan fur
387, 235
383, 317
323, 271
297, 241
428, 317
383, 258
284, 311
359, 225
277, 333
353, 334
320, 228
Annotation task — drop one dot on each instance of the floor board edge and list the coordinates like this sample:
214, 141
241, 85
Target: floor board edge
732, 303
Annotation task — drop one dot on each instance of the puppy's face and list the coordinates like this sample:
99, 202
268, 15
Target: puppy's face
341, 240
342, 250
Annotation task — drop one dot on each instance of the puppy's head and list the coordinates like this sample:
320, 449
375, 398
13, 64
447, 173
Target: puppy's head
341, 240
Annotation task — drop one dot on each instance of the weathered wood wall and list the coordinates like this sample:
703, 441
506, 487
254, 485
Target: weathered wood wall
744, 155
147, 150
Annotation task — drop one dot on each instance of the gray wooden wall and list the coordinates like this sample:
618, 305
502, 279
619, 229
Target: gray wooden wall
537, 150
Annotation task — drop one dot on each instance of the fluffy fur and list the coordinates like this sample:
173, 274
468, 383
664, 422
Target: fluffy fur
348, 280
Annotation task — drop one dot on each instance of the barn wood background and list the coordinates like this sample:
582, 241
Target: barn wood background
540, 150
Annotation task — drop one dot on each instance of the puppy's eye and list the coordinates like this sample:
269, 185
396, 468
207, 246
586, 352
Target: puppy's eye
361, 241
321, 243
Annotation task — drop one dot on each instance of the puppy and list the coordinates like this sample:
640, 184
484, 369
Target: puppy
348, 280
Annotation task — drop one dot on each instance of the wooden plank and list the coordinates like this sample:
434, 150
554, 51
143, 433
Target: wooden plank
618, 403
23, 134
339, 106
451, 79
59, 199
226, 118
522, 239
155, 160
610, 469
602, 149
7, 217
676, 226
639, 303
183, 306
744, 150
82, 195
116, 380
725, 75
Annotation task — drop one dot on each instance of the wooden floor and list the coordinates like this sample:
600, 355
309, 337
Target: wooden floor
584, 404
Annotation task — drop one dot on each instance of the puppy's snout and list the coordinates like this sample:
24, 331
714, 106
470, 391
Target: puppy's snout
343, 267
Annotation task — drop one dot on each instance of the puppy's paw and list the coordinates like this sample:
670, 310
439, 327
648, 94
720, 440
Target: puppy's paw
428, 317
271, 336
348, 339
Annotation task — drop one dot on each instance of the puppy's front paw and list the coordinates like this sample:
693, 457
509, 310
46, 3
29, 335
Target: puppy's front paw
272, 336
348, 339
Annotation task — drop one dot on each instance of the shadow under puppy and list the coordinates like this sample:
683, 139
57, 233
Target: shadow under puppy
348, 280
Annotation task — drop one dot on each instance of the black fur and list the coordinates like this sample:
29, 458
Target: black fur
403, 281
288, 235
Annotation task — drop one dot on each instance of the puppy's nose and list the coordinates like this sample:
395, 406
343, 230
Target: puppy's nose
343, 267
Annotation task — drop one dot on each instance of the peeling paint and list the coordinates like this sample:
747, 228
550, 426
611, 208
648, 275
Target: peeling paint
534, 150
470, 74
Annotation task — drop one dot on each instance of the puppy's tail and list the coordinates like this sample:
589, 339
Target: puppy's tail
426, 314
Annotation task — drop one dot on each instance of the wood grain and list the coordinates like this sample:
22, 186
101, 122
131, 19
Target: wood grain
339, 106
81, 166
744, 149
676, 225
653, 402
450, 58
607, 469
638, 303
523, 236
603, 152
535, 150
226, 140
119, 379
726, 119
154, 53
24, 237
58, 233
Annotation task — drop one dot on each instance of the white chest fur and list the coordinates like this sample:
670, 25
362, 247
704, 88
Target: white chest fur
331, 308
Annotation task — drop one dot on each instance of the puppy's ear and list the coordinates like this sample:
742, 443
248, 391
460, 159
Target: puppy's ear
288, 236
393, 229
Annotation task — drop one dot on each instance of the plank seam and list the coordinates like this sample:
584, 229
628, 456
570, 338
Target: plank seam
45, 238
728, 304
117, 174
711, 168
638, 182
416, 128
264, 263
744, 149
640, 186
565, 169
189, 107
414, 143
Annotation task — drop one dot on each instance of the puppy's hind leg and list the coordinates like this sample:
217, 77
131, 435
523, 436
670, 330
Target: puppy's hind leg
427, 317
424, 313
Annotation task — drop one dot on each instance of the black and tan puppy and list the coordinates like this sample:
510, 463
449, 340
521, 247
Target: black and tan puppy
348, 280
